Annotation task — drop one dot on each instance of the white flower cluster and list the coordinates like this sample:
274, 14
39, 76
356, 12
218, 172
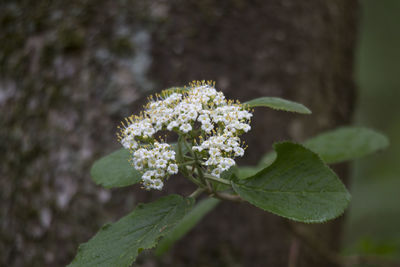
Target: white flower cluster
220, 151
158, 162
199, 112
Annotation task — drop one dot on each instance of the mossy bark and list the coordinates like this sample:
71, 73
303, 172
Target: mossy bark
70, 70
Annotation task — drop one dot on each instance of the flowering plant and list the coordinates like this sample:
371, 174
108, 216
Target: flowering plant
208, 127
294, 181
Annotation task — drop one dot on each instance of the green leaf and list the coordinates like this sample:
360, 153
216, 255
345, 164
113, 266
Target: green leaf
186, 224
278, 104
346, 143
175, 147
245, 172
267, 159
118, 244
297, 186
114, 170
343, 144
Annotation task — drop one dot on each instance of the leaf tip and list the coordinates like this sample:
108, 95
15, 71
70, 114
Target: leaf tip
306, 110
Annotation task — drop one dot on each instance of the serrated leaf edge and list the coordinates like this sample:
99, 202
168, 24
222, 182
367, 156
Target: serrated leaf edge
348, 195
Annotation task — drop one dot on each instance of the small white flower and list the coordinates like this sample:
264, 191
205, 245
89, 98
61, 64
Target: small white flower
206, 144
172, 169
183, 118
129, 142
219, 98
148, 132
192, 114
185, 127
238, 151
172, 125
138, 165
152, 162
223, 166
147, 176
207, 127
228, 161
246, 127
139, 153
136, 129
216, 172
227, 148
203, 118
197, 148
214, 152
161, 164
169, 155
212, 161
157, 184
159, 173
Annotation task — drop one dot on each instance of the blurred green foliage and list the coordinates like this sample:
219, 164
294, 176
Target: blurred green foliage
373, 223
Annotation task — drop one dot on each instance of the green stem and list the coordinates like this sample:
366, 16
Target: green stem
180, 157
194, 180
220, 180
187, 163
197, 192
210, 188
180, 154
188, 147
226, 196
199, 170
197, 163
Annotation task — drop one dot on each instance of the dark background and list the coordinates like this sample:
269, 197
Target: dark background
71, 70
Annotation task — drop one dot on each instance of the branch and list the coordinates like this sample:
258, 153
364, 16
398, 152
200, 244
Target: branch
219, 180
197, 192
226, 196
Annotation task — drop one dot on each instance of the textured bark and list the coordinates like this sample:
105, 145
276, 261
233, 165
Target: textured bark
70, 70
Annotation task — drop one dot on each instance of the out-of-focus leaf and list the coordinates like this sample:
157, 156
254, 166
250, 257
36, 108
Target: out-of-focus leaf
114, 170
186, 224
343, 144
346, 143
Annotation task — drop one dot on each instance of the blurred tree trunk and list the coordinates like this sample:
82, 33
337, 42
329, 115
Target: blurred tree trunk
70, 70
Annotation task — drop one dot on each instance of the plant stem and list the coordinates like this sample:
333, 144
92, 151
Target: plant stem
226, 196
187, 163
209, 187
194, 180
180, 154
197, 192
199, 170
188, 147
196, 161
181, 157
219, 180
